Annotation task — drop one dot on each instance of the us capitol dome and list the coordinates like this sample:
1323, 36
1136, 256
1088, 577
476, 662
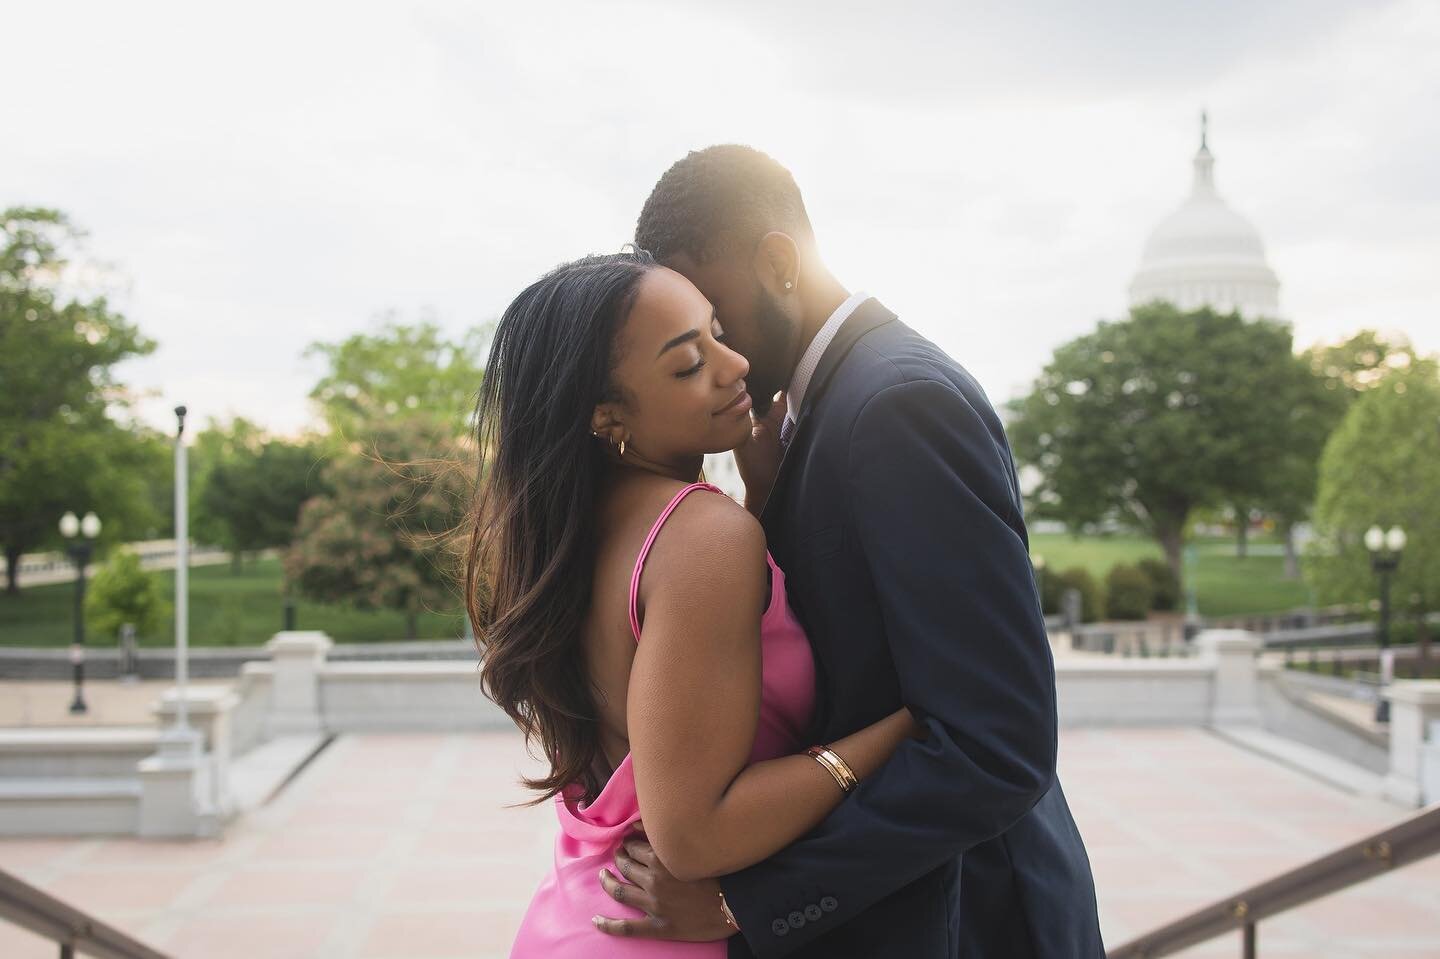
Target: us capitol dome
1206, 254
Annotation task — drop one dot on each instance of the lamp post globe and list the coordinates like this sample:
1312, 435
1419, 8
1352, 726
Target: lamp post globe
90, 526
69, 525
1395, 540
1374, 539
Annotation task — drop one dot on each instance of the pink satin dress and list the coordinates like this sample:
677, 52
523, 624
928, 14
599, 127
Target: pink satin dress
557, 925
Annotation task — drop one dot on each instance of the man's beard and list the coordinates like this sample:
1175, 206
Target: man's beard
775, 334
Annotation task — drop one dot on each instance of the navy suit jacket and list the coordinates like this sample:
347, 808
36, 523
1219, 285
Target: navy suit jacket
897, 518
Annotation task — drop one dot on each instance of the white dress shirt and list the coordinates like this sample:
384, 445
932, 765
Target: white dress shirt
800, 380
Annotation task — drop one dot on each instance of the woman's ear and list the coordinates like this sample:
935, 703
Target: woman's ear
777, 264
605, 423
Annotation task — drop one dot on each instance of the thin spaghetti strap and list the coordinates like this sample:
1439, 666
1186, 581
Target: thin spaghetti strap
650, 541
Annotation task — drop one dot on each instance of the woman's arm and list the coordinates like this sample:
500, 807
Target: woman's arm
694, 702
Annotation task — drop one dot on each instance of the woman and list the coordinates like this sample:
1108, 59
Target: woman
632, 621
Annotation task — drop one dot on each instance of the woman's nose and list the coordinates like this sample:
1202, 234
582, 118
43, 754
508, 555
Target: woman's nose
740, 367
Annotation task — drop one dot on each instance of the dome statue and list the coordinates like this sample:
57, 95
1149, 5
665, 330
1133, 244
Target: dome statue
1206, 254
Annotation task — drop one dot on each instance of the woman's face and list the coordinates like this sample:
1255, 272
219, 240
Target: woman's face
683, 390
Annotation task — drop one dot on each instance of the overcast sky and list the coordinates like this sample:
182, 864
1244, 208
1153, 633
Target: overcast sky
264, 175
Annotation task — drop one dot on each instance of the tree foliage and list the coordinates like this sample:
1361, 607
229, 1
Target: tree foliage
60, 447
124, 592
398, 371
251, 496
1380, 469
381, 538
1149, 418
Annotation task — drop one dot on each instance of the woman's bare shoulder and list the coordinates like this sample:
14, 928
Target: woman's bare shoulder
712, 535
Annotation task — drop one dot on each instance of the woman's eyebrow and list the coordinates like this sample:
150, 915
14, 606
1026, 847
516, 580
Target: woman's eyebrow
685, 337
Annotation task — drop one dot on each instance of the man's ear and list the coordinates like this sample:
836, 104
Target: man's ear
777, 264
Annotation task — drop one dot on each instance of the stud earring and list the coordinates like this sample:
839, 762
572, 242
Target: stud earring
622, 448
788, 284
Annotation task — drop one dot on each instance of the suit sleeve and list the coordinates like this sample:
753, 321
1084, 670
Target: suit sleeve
936, 514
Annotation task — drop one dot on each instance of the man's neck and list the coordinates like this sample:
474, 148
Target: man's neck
825, 299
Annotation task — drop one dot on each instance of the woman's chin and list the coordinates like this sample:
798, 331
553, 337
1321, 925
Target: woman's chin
729, 444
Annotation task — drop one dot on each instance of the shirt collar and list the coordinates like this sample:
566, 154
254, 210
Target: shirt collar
810, 359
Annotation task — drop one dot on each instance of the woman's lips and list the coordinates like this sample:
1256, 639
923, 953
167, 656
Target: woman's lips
740, 404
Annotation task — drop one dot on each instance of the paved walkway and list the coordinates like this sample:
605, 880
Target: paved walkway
398, 847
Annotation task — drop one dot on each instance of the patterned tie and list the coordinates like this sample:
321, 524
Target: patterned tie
787, 433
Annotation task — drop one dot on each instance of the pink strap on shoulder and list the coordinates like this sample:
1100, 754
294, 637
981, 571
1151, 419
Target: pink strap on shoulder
650, 541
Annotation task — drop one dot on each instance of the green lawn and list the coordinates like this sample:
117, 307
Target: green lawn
226, 609
245, 609
1225, 584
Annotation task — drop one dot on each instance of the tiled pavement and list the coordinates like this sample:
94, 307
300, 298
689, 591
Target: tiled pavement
398, 847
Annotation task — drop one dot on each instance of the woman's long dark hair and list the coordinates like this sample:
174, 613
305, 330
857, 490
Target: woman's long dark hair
531, 551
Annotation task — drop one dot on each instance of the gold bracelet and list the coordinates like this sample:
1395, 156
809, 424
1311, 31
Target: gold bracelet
838, 769
729, 916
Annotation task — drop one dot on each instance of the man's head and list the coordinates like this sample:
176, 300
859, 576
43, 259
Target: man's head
731, 220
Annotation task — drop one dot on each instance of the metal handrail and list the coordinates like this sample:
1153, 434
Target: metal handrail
69, 928
1407, 842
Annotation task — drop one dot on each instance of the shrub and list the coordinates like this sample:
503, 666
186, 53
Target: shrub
1128, 592
122, 592
1052, 588
1164, 584
1092, 597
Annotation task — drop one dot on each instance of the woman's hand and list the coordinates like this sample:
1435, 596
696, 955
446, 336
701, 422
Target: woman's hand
759, 459
674, 910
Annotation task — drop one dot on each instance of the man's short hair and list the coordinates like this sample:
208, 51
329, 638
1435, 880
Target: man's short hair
719, 199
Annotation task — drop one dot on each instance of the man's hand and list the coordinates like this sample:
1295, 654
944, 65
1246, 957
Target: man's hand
759, 459
674, 910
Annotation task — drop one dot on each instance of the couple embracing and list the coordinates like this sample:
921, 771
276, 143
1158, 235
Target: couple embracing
818, 725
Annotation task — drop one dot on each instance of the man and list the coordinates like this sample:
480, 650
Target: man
897, 517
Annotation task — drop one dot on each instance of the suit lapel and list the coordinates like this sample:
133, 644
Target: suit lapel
867, 316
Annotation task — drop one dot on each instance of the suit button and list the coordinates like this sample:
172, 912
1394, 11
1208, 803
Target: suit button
812, 912
780, 927
796, 920
829, 904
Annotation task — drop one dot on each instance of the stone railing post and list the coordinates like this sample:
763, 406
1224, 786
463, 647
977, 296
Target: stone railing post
1430, 766
209, 711
175, 788
1236, 692
1414, 712
298, 657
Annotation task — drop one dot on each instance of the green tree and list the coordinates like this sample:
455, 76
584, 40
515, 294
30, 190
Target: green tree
219, 443
381, 538
1149, 418
398, 371
60, 447
253, 496
1339, 374
123, 592
1379, 469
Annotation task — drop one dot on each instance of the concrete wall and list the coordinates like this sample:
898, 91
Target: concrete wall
1134, 692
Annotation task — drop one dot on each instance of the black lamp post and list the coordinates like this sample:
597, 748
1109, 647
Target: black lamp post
1385, 549
81, 533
